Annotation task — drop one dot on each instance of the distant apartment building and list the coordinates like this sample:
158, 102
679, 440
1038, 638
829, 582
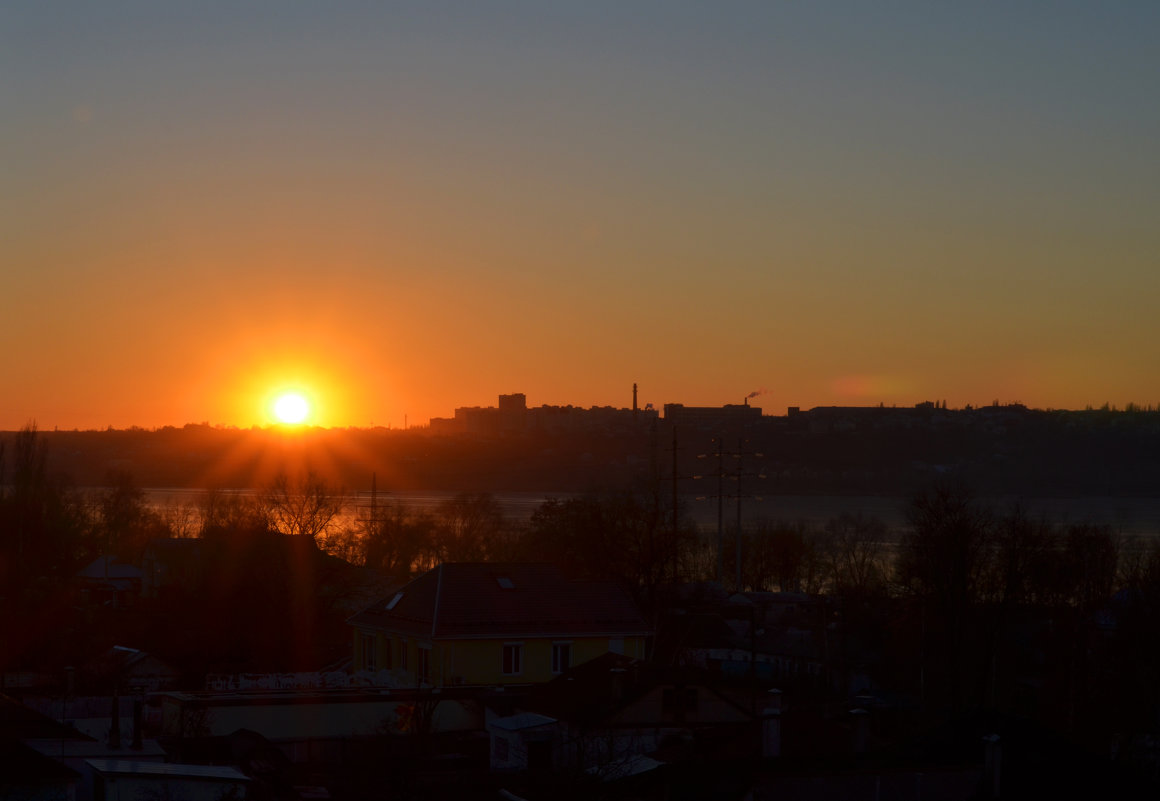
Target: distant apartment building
513, 405
513, 415
494, 624
712, 418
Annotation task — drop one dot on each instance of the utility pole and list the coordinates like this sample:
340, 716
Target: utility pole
740, 475
374, 501
737, 475
737, 547
720, 514
676, 515
720, 454
654, 473
673, 550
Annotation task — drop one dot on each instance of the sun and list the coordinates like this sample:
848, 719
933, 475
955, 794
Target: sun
291, 408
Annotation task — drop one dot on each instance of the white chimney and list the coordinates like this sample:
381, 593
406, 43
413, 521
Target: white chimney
771, 725
992, 759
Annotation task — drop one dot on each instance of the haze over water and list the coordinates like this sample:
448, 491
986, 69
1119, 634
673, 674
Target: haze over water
1131, 517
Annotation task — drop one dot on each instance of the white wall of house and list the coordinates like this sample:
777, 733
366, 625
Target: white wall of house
317, 718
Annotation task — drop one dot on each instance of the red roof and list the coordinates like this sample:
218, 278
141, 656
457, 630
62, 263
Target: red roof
460, 600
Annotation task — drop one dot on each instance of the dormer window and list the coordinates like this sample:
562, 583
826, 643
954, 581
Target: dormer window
505, 583
391, 604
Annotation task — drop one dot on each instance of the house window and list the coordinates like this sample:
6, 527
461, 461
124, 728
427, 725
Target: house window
368, 652
403, 654
616, 645
561, 656
513, 653
387, 653
424, 663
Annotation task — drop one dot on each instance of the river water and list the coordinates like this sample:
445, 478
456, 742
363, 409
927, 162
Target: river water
1128, 516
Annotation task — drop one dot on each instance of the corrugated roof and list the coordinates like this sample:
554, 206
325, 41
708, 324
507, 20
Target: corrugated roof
524, 720
116, 569
167, 769
468, 599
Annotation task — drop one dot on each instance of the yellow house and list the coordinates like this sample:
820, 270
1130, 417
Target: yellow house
478, 623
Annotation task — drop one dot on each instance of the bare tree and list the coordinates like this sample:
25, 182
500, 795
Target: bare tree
853, 554
398, 541
943, 557
26, 498
123, 518
43, 522
471, 528
942, 562
1091, 557
306, 506
609, 536
1023, 550
223, 511
780, 553
181, 519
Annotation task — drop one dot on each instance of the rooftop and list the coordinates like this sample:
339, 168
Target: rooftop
459, 600
166, 769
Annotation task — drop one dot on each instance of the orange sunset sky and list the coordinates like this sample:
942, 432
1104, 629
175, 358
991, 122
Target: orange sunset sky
399, 209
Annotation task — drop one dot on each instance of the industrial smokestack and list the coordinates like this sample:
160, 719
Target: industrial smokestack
634, 401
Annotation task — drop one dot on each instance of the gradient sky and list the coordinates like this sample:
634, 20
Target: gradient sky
404, 208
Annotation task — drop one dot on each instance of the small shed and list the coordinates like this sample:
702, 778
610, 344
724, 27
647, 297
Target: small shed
522, 742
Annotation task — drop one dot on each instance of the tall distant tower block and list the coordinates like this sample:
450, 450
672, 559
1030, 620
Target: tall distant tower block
634, 400
516, 403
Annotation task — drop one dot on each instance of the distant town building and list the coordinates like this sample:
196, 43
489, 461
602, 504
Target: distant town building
513, 415
516, 403
712, 418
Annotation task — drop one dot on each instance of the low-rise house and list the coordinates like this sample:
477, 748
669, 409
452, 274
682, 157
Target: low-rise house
171, 562
495, 624
309, 723
108, 580
127, 668
773, 637
615, 708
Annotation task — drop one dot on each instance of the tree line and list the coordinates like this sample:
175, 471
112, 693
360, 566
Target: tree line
955, 550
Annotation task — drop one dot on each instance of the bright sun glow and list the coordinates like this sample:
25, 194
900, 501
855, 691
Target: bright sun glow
291, 408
